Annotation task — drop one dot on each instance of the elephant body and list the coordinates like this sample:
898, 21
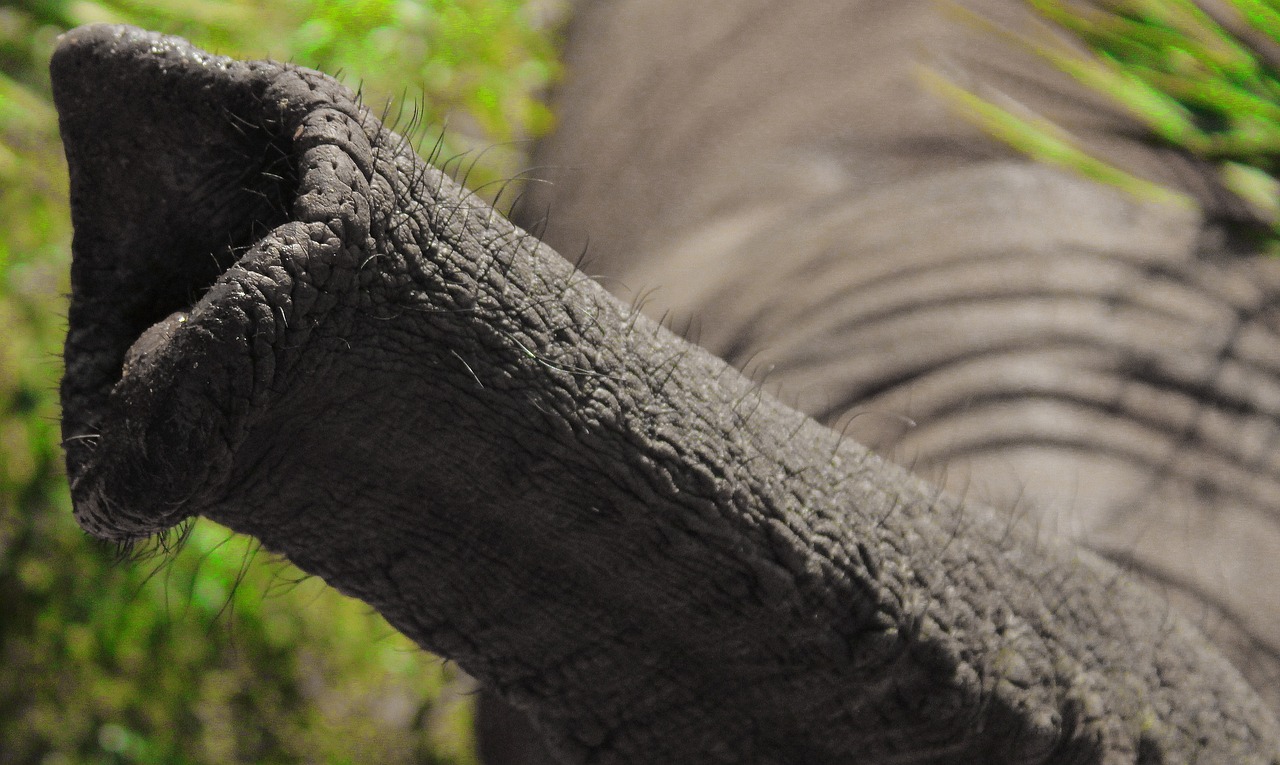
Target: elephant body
782, 187
283, 320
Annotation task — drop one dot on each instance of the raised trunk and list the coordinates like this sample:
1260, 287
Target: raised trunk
283, 320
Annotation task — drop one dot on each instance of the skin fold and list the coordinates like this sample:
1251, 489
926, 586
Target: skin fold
285, 321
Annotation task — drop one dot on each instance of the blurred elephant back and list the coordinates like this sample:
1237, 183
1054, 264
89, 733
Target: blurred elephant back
775, 182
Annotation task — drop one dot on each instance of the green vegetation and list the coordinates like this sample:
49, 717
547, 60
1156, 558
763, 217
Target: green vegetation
1204, 79
215, 654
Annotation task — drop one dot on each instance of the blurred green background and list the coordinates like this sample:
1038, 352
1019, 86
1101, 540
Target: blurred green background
217, 653
1202, 78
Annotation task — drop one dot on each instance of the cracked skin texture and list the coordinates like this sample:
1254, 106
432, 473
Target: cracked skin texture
283, 320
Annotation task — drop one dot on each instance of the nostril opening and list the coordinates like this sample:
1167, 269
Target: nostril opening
181, 260
181, 165
178, 166
204, 226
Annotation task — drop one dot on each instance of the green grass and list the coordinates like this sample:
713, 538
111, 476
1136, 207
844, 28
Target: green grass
216, 653
1207, 85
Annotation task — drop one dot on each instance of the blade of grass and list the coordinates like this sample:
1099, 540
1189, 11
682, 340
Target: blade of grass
1044, 141
1262, 16
1257, 187
1128, 37
1157, 111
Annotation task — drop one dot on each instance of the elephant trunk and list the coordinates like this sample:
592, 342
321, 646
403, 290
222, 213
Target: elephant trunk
283, 320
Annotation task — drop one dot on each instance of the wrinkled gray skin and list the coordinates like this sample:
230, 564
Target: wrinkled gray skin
1107, 369
283, 320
